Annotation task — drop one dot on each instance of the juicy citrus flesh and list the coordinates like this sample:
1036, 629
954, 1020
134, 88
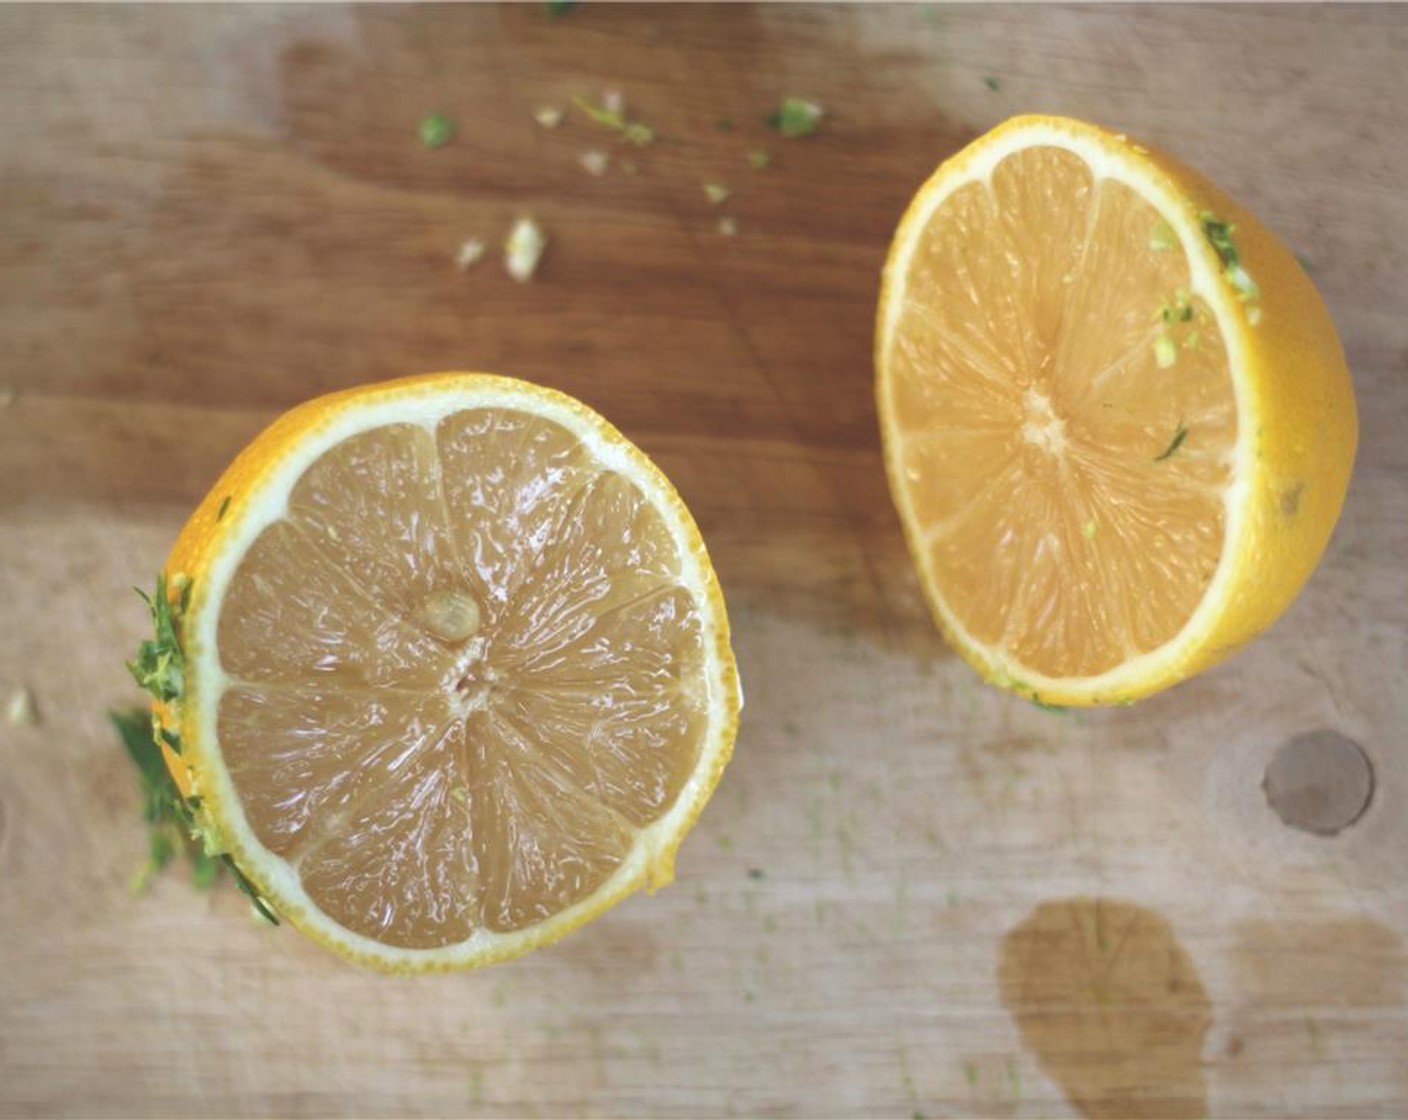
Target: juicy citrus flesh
1045, 361
463, 670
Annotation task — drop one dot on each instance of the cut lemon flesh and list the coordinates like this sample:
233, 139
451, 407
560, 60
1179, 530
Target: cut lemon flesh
458, 668
1070, 380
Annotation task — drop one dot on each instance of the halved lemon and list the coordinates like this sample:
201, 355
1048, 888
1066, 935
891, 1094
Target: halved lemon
1117, 420
457, 669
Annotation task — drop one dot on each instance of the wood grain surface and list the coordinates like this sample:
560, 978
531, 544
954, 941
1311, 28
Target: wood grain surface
912, 895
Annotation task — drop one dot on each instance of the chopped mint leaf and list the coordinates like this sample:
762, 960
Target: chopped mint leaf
716, 193
1174, 444
796, 117
559, 8
759, 158
755, 873
994, 84
1162, 237
437, 130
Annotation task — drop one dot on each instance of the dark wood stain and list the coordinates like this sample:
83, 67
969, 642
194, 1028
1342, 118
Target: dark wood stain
1111, 1007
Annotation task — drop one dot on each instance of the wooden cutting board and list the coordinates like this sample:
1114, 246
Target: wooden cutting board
912, 895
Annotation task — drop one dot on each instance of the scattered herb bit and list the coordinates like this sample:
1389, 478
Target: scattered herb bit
796, 117
1191, 339
994, 84
716, 193
1165, 352
1162, 237
970, 1071
755, 873
7, 395
1174, 444
20, 710
170, 817
1219, 235
611, 114
460, 794
1088, 530
549, 116
523, 249
749, 996
559, 8
1049, 709
437, 130
160, 664
724, 124
759, 158
595, 162
470, 252
222, 508
1304, 262
1179, 309
918, 1115
261, 906
728, 227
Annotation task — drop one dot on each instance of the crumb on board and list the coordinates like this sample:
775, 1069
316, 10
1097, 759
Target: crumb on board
523, 249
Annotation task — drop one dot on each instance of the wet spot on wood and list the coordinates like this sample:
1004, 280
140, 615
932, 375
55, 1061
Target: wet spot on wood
1111, 1007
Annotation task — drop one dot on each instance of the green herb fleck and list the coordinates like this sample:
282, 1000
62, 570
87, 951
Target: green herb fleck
759, 158
160, 665
716, 193
970, 1071
1304, 262
994, 84
755, 873
220, 510
1050, 709
1191, 339
559, 8
614, 118
549, 116
261, 907
1162, 237
1179, 309
437, 130
796, 117
1165, 352
169, 816
1174, 444
1219, 235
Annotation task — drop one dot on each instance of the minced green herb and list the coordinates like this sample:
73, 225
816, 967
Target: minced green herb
437, 130
759, 158
716, 193
796, 117
994, 84
1174, 444
755, 873
1179, 309
1219, 235
559, 8
160, 665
